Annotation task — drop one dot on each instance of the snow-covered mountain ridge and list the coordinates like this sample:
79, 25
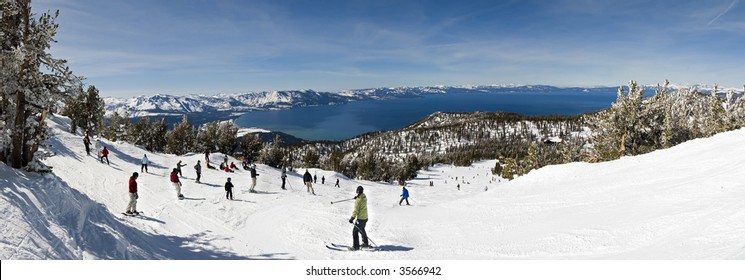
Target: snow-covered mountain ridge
163, 104
232, 104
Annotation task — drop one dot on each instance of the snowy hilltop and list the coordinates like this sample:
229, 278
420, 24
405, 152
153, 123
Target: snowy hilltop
684, 202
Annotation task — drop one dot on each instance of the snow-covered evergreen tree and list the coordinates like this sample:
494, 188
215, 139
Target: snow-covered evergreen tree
86, 110
31, 81
310, 159
252, 145
118, 127
227, 137
272, 154
181, 139
137, 133
156, 136
207, 137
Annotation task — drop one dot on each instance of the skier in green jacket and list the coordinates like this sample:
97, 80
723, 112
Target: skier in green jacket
359, 213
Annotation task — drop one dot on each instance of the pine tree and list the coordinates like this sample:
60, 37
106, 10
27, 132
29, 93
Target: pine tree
138, 132
252, 145
716, 115
310, 160
616, 130
181, 139
207, 137
272, 154
86, 110
530, 160
118, 127
227, 137
31, 80
334, 161
156, 136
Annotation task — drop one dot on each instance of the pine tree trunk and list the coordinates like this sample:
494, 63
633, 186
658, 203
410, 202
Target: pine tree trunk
16, 154
19, 124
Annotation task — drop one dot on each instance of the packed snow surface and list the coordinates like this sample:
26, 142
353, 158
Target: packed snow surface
685, 202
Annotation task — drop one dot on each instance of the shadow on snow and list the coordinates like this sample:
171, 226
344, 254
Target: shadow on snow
47, 201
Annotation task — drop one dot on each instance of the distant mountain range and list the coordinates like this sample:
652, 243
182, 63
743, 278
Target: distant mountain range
227, 105
234, 104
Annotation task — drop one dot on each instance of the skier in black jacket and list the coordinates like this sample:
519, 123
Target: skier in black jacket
308, 180
253, 178
228, 189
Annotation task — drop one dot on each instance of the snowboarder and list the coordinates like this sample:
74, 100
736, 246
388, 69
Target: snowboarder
228, 189
105, 154
253, 178
404, 196
87, 143
359, 213
225, 160
232, 166
308, 180
145, 161
458, 186
284, 177
315, 179
207, 164
337, 183
98, 147
323, 180
132, 206
176, 183
198, 168
206, 156
178, 167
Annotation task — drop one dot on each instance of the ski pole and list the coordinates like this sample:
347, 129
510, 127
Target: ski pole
342, 200
368, 237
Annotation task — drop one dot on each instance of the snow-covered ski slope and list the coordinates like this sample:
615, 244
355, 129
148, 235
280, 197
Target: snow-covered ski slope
685, 202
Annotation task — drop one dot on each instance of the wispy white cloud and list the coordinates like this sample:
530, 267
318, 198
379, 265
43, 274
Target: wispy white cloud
250, 45
726, 10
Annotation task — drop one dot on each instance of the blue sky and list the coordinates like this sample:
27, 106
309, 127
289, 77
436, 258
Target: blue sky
136, 47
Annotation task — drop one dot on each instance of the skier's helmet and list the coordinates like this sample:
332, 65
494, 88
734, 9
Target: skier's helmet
360, 189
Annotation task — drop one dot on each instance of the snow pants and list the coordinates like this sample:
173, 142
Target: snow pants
253, 183
309, 186
177, 185
402, 200
132, 206
143, 167
359, 228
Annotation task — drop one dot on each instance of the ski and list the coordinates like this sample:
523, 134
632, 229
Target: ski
132, 215
338, 247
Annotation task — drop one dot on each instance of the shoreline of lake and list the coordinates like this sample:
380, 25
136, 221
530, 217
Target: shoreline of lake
344, 121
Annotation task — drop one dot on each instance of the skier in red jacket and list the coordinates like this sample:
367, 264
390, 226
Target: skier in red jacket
105, 154
176, 183
132, 206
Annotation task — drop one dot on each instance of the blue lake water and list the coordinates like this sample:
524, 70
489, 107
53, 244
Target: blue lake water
338, 122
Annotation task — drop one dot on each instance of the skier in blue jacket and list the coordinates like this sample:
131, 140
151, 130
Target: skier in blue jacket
404, 196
